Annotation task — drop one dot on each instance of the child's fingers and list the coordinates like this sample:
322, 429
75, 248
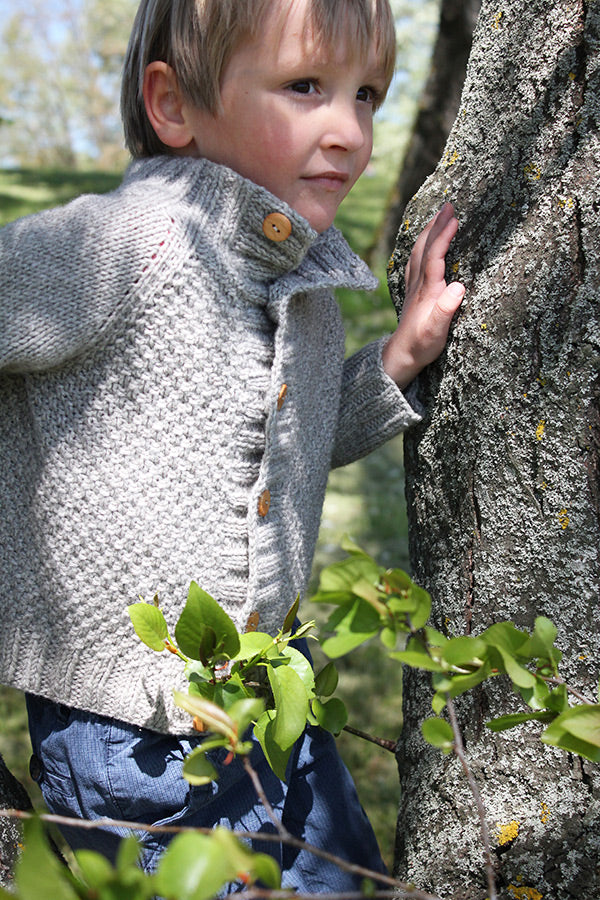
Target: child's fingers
427, 260
451, 298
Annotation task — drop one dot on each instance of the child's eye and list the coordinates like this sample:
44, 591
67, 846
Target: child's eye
367, 95
305, 86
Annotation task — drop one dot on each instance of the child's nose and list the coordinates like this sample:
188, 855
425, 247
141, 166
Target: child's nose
344, 128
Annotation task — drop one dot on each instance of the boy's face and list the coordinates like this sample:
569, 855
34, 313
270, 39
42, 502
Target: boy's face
296, 118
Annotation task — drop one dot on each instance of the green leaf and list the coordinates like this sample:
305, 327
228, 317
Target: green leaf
502, 723
576, 730
582, 722
246, 711
196, 672
422, 601
558, 699
350, 546
464, 651
434, 637
230, 692
39, 875
199, 770
343, 575
94, 868
541, 642
202, 617
397, 581
291, 616
245, 861
327, 680
275, 756
505, 636
358, 623
149, 625
458, 684
388, 638
417, 656
538, 696
128, 854
439, 733
438, 702
301, 666
252, 644
214, 718
193, 867
291, 705
331, 715
517, 674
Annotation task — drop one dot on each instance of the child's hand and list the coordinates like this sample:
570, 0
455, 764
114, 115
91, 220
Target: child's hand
429, 304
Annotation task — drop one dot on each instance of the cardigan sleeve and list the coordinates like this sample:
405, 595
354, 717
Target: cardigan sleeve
66, 273
372, 409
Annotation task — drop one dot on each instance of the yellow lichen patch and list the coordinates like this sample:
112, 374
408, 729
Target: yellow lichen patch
563, 518
483, 326
450, 157
406, 225
524, 893
507, 833
531, 172
390, 264
572, 76
566, 202
455, 267
497, 20
539, 431
545, 814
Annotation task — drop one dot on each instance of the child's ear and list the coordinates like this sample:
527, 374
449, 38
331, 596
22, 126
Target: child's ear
165, 105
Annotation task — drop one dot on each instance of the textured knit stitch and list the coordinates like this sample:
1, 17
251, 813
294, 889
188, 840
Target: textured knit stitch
144, 338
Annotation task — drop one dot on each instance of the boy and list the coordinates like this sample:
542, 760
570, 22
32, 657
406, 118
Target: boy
174, 392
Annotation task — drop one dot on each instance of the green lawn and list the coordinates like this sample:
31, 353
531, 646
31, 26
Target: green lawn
365, 500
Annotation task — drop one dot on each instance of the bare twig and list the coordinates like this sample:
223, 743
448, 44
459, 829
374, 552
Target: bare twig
406, 890
261, 894
485, 834
281, 829
381, 742
570, 690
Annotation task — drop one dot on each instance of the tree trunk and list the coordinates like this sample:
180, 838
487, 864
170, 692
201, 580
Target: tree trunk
437, 109
12, 796
503, 475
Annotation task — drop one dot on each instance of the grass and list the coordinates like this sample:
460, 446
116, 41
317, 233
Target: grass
365, 499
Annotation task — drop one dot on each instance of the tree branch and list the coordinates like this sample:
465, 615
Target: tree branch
392, 746
406, 890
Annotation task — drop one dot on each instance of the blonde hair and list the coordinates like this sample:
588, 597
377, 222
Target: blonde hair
198, 37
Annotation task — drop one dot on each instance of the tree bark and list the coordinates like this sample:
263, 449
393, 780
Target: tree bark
12, 796
503, 474
437, 109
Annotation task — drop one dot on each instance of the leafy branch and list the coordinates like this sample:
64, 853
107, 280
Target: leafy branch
239, 682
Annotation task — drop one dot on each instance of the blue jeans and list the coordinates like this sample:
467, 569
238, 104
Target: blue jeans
90, 767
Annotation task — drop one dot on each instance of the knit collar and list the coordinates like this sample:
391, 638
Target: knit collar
228, 211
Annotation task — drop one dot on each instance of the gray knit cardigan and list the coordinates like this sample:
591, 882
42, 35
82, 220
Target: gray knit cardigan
145, 338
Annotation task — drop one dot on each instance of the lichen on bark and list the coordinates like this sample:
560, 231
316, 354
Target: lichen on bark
502, 475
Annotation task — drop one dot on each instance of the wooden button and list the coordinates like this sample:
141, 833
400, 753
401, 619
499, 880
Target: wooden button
253, 620
277, 227
282, 395
264, 502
